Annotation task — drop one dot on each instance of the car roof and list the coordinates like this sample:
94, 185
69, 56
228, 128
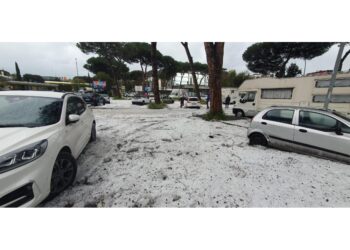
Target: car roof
51, 94
301, 107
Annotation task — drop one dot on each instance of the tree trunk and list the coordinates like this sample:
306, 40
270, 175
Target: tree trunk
200, 82
182, 75
215, 56
190, 60
143, 76
155, 72
343, 59
282, 72
115, 82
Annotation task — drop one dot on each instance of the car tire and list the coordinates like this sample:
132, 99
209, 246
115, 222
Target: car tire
257, 139
239, 113
63, 173
93, 133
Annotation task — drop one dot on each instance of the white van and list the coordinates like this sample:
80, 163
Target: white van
258, 94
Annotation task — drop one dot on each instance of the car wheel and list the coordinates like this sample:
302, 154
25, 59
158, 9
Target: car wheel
239, 113
93, 133
257, 139
63, 173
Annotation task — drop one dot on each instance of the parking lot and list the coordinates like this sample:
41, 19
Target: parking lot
170, 158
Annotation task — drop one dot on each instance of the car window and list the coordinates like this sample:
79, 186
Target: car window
280, 115
72, 106
317, 121
81, 106
75, 106
251, 96
344, 128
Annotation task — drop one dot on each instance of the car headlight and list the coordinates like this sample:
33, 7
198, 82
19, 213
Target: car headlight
22, 156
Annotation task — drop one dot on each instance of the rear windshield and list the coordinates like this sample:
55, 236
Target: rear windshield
193, 99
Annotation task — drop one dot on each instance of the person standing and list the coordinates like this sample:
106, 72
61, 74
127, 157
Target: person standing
182, 101
227, 101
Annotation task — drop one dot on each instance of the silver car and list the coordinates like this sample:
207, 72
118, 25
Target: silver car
305, 130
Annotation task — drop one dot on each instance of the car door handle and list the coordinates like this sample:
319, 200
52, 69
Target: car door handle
263, 123
303, 130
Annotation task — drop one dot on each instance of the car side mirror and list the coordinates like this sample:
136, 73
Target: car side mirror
242, 100
338, 130
73, 118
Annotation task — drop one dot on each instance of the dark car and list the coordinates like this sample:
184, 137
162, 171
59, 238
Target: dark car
106, 98
94, 99
167, 99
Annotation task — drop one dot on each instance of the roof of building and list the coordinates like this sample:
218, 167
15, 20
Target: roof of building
51, 94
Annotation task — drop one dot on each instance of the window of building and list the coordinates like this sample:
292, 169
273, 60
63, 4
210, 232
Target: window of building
317, 121
334, 98
280, 115
285, 93
338, 83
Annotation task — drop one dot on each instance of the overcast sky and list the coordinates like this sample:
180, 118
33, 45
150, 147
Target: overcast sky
58, 59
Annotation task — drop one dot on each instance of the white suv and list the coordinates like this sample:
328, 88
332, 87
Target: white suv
41, 135
306, 130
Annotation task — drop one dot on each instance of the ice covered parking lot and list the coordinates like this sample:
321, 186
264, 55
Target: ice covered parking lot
169, 158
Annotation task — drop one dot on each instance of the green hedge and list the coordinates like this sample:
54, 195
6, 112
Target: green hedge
153, 105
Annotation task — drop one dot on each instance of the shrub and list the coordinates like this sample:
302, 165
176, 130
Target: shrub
204, 102
153, 105
220, 117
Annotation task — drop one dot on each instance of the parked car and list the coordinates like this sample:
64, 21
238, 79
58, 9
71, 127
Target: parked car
94, 99
106, 98
306, 130
140, 100
42, 134
192, 102
167, 99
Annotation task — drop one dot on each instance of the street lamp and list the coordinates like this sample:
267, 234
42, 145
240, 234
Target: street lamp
76, 66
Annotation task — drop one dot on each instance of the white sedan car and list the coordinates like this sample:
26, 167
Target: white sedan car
305, 130
140, 100
192, 102
41, 135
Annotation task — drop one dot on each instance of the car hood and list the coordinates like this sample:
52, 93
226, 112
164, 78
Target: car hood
14, 138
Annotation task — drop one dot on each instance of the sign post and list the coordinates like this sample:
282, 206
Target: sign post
99, 85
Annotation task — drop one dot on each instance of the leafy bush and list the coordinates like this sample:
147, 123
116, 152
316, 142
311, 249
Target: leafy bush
220, 117
153, 105
202, 101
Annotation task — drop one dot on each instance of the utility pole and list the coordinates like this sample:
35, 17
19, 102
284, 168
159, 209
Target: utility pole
76, 66
304, 67
334, 75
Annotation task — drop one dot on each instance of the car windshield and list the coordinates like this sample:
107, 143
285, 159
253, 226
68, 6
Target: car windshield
193, 99
29, 111
104, 95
